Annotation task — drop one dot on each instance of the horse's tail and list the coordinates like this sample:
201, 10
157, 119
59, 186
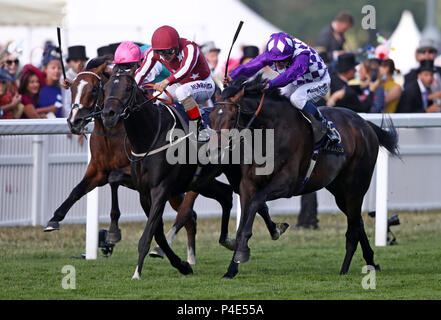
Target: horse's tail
387, 135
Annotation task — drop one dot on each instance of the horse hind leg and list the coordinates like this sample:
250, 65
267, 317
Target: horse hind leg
352, 209
368, 253
275, 229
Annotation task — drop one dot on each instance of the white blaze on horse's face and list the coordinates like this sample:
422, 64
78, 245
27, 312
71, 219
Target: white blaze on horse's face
80, 88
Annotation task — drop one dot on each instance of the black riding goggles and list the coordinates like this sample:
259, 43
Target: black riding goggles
165, 52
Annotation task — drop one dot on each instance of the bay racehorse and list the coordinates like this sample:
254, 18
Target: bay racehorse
148, 126
346, 175
109, 161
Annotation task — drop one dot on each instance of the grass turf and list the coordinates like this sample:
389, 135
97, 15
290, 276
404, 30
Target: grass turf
302, 264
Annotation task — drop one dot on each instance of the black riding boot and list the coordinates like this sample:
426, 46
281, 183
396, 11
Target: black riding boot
332, 133
198, 127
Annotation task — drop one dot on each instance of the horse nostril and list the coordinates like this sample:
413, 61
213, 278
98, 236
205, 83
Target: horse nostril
109, 114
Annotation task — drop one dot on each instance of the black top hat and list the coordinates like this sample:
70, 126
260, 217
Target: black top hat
249, 52
104, 50
113, 46
426, 65
346, 62
76, 53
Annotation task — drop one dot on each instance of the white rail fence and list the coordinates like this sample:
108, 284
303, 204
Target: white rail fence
40, 165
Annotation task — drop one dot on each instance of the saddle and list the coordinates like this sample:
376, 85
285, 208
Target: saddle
319, 132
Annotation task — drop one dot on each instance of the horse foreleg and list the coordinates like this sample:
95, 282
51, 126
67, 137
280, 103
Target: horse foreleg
90, 181
114, 230
155, 211
275, 229
223, 193
185, 217
115, 179
183, 266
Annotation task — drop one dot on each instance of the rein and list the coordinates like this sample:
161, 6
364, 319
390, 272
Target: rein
131, 107
239, 111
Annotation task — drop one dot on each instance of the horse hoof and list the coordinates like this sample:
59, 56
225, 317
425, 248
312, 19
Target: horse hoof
241, 256
114, 237
228, 243
185, 268
136, 275
280, 229
191, 260
51, 226
227, 276
156, 252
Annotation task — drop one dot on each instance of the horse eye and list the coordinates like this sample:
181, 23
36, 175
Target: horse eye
129, 88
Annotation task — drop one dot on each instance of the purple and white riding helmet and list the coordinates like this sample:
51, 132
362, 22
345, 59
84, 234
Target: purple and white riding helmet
280, 46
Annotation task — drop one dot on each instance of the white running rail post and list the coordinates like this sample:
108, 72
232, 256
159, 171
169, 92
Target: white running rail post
92, 219
381, 198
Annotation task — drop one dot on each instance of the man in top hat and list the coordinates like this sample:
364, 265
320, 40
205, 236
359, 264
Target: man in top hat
416, 95
344, 95
249, 53
76, 61
426, 51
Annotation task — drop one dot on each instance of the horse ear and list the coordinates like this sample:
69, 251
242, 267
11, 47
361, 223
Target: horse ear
133, 70
101, 68
238, 96
217, 94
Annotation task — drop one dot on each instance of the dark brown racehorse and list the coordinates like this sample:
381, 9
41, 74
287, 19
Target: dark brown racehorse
347, 176
109, 162
147, 126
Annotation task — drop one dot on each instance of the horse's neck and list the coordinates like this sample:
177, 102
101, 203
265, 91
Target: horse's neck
271, 113
142, 126
100, 128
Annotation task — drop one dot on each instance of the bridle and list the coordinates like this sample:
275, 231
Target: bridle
130, 106
96, 107
239, 111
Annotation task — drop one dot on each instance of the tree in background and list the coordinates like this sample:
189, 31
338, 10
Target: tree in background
305, 18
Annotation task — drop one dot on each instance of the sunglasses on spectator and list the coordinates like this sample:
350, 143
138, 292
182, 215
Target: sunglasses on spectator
9, 62
166, 52
431, 51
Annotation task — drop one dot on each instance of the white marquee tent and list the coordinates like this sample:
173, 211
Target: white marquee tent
405, 41
100, 22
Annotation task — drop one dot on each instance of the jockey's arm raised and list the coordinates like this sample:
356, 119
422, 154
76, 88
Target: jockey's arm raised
298, 67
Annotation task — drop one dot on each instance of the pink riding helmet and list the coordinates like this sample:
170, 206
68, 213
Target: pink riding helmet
128, 52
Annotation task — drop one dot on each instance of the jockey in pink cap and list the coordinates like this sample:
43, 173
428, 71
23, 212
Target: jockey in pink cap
127, 55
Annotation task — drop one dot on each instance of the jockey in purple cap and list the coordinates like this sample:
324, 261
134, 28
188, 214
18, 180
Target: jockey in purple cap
303, 76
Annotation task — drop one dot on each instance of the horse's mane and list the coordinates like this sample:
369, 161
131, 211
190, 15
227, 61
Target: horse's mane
98, 61
253, 89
